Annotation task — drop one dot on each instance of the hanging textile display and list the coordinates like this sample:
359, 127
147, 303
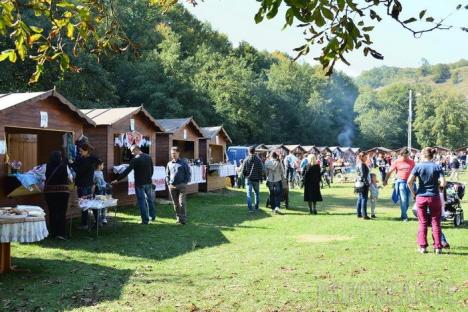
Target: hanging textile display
126, 140
158, 178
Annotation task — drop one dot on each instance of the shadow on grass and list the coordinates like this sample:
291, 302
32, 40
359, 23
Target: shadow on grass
60, 284
208, 217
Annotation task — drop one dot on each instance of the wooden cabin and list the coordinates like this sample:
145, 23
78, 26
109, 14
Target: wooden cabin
462, 150
116, 130
297, 150
311, 149
278, 148
413, 150
183, 133
324, 150
442, 150
32, 125
213, 154
336, 151
378, 150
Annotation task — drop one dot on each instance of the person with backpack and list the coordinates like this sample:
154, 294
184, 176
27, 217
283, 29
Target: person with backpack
253, 174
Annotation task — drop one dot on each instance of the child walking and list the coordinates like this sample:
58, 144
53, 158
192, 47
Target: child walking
100, 185
374, 193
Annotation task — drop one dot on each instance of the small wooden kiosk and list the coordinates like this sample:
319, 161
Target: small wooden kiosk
32, 125
182, 133
311, 149
413, 151
297, 150
378, 150
323, 150
116, 130
442, 150
213, 154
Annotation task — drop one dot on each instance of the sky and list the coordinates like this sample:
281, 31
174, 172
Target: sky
235, 18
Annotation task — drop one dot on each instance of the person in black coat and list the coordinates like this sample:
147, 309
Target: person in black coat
312, 177
57, 193
84, 167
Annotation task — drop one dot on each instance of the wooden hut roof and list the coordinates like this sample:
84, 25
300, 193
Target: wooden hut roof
379, 148
414, 150
211, 132
276, 146
294, 147
310, 148
10, 100
334, 148
109, 116
174, 125
462, 149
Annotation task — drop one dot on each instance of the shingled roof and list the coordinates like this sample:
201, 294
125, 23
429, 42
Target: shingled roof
109, 116
10, 100
211, 132
174, 125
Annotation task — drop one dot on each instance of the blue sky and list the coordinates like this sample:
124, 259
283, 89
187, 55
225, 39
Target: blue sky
400, 48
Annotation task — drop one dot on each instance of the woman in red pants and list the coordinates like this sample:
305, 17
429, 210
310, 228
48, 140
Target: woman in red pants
430, 177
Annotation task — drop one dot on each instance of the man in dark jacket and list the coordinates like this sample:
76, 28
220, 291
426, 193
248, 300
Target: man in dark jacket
253, 173
178, 175
142, 164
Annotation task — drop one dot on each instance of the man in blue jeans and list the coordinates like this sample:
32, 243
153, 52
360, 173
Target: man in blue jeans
253, 173
142, 164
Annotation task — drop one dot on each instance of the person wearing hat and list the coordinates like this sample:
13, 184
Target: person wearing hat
403, 167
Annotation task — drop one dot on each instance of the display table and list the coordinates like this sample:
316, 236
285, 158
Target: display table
99, 206
19, 229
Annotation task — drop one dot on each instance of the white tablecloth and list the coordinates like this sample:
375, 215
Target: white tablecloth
86, 204
23, 232
227, 170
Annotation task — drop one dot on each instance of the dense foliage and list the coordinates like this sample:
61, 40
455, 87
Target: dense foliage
184, 68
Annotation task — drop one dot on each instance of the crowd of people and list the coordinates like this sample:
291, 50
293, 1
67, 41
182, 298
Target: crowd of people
428, 167
278, 170
86, 171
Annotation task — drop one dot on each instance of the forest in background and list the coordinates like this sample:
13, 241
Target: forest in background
182, 67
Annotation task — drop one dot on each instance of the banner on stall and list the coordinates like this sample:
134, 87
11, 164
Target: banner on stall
159, 180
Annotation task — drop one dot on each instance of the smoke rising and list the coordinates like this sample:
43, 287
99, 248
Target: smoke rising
346, 136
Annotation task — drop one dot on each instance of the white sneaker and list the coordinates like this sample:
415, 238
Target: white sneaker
277, 210
438, 251
422, 250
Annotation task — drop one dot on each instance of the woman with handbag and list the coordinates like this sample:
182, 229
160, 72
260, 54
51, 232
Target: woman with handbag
56, 191
361, 186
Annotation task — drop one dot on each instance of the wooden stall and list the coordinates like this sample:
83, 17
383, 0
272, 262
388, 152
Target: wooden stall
278, 148
183, 133
116, 130
442, 150
413, 151
323, 150
462, 150
213, 154
336, 151
311, 149
297, 150
32, 125
378, 150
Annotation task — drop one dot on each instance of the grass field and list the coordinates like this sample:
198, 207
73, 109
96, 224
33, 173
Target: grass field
228, 260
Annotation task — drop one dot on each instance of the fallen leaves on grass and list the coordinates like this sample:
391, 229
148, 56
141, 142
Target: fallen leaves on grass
308, 238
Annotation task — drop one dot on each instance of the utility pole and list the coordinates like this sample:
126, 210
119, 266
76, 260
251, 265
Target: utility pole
410, 118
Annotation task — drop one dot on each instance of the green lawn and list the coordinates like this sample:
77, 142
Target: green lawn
228, 260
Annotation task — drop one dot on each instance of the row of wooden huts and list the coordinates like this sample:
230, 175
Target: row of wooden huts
34, 124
